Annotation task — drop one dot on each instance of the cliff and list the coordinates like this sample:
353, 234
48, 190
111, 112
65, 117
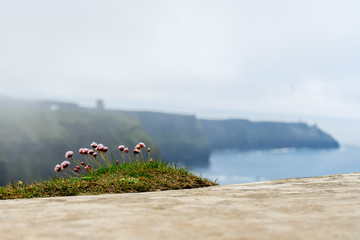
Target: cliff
245, 135
190, 140
35, 135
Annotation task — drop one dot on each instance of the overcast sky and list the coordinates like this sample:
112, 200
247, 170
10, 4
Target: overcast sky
209, 58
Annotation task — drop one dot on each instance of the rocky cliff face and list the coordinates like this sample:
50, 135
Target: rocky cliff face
246, 135
34, 136
190, 140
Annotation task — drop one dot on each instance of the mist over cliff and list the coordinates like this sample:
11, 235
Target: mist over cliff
34, 135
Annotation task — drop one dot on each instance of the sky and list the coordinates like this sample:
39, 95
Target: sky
260, 59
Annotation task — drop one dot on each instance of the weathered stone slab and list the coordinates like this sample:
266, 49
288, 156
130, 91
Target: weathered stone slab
325, 207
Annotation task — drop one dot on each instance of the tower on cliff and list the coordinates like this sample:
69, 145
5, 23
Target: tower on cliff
100, 105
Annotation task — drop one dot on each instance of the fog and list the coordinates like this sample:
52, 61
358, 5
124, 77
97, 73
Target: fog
283, 60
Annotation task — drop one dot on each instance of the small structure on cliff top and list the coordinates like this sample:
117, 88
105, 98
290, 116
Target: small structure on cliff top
100, 105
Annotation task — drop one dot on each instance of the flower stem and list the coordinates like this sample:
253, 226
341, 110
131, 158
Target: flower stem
66, 173
122, 157
104, 158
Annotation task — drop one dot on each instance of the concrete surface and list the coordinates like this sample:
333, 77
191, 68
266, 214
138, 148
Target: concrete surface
325, 207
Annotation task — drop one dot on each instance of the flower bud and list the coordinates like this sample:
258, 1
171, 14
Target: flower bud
69, 154
57, 168
100, 147
136, 151
86, 150
65, 164
93, 145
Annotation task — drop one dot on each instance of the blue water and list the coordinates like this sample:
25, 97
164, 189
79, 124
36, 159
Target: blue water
230, 166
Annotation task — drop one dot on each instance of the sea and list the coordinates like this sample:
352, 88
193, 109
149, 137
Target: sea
232, 166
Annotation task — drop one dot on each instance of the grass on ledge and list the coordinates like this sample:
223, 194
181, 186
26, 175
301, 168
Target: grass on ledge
125, 178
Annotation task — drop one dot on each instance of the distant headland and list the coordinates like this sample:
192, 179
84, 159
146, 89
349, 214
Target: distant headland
35, 133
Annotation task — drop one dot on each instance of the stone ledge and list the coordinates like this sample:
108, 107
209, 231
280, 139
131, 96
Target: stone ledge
326, 207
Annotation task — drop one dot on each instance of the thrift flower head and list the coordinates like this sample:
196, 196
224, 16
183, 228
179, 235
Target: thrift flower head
93, 144
76, 170
94, 154
81, 151
86, 150
136, 151
141, 144
121, 147
69, 154
138, 147
148, 150
105, 149
91, 152
57, 168
82, 163
126, 150
100, 147
65, 164
87, 167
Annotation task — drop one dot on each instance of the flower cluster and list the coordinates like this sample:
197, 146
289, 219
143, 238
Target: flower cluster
93, 162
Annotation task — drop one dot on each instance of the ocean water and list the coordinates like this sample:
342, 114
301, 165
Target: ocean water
230, 166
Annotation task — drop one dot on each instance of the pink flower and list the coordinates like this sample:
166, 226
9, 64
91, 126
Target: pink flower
93, 145
81, 151
100, 147
138, 147
91, 152
117, 161
148, 150
141, 144
136, 151
77, 167
121, 148
82, 163
126, 150
94, 154
86, 150
57, 168
105, 149
65, 164
69, 154
76, 170
87, 167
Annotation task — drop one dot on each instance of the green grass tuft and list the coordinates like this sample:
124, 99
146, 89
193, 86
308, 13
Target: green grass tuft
124, 178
